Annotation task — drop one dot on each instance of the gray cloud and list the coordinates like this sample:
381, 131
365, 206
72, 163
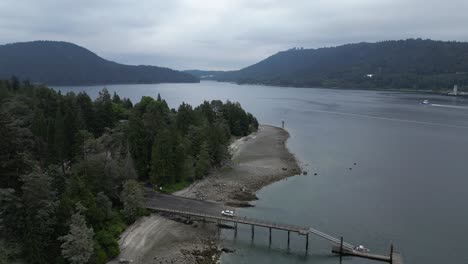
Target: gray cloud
224, 34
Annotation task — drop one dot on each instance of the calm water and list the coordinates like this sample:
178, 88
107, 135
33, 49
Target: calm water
409, 186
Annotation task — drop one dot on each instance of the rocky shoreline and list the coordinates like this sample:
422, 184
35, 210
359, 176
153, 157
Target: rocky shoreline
257, 161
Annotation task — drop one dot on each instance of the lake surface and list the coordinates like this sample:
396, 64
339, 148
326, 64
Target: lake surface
409, 185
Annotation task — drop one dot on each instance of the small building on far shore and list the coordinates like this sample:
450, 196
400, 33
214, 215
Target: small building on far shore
455, 92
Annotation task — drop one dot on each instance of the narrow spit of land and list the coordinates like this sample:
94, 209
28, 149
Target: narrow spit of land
257, 160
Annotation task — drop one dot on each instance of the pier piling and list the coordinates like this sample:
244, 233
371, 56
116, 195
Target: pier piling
270, 238
235, 229
253, 232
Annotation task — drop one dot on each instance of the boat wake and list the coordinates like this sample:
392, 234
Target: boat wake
390, 119
451, 106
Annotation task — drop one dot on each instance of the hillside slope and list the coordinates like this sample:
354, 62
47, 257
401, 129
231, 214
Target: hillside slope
62, 63
412, 63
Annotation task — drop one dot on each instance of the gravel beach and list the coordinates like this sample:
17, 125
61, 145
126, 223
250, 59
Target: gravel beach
257, 161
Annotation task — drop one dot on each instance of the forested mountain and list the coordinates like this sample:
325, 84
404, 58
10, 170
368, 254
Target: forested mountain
412, 63
62, 63
72, 169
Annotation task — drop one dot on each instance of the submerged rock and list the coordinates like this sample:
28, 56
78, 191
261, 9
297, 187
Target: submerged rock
228, 250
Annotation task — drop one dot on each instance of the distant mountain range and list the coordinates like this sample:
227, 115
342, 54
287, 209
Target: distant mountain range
63, 63
412, 63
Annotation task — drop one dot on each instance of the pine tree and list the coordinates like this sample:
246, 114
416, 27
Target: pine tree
203, 162
116, 99
39, 203
39, 125
104, 112
179, 163
162, 170
189, 169
78, 245
59, 138
104, 205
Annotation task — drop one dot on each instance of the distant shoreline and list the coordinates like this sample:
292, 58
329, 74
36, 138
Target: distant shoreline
403, 90
257, 161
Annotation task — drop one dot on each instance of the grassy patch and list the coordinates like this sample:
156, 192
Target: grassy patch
175, 187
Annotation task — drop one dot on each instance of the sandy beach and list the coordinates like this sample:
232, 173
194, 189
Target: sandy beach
257, 160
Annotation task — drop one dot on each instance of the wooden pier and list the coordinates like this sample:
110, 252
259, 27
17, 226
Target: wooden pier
243, 220
206, 210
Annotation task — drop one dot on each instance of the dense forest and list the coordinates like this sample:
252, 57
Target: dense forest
73, 171
403, 64
62, 63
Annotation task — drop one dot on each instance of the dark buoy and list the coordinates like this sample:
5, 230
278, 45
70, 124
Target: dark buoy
355, 163
350, 168
315, 174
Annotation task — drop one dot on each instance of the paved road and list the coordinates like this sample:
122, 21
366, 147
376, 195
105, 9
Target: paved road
155, 199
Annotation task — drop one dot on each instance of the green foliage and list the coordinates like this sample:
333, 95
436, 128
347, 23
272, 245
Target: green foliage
57, 151
108, 243
78, 246
63, 63
39, 208
402, 64
163, 167
203, 162
10, 253
175, 187
132, 198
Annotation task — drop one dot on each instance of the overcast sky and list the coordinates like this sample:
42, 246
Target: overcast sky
223, 34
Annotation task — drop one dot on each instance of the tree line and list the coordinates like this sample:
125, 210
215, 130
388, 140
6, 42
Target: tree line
404, 64
63, 63
72, 169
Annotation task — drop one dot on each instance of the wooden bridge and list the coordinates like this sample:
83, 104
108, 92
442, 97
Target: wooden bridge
185, 207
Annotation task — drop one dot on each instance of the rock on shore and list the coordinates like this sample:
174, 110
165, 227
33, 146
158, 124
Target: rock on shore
257, 160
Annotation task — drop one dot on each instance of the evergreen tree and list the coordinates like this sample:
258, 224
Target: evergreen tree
59, 138
163, 169
39, 203
116, 99
179, 163
86, 111
188, 171
203, 162
39, 125
77, 246
132, 198
127, 104
9, 252
104, 113
104, 206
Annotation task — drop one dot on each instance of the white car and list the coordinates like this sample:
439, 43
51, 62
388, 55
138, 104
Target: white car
227, 213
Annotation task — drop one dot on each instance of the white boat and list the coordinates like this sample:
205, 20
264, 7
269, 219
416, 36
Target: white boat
425, 102
361, 248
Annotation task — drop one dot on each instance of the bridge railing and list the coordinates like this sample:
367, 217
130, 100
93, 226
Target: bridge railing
257, 222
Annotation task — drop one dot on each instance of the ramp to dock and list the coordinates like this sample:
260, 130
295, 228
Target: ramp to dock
209, 210
394, 258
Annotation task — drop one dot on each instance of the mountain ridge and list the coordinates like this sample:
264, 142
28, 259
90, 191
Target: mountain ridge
65, 63
393, 64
